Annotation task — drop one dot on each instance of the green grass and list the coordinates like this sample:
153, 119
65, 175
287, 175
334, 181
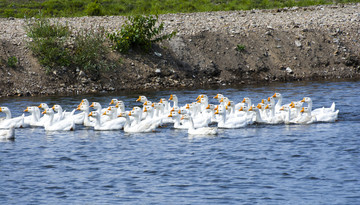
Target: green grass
73, 8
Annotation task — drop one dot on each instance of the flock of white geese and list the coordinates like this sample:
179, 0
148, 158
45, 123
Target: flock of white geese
196, 117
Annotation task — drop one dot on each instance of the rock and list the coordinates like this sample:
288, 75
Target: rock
158, 54
289, 71
82, 74
298, 43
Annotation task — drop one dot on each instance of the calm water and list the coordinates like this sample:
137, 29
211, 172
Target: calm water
260, 164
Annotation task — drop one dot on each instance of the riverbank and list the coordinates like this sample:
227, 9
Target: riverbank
210, 49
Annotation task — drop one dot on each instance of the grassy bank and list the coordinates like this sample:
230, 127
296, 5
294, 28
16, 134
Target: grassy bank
73, 8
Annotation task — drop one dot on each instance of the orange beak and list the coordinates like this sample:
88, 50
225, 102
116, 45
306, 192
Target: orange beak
216, 112
26, 110
241, 109
303, 100
138, 99
171, 97
217, 96
302, 110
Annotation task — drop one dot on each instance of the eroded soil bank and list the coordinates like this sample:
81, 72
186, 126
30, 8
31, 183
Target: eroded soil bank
283, 45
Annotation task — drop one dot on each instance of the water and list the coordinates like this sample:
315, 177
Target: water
260, 164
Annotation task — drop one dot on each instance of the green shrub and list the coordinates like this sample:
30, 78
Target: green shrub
12, 61
89, 50
48, 42
51, 44
240, 47
94, 9
139, 32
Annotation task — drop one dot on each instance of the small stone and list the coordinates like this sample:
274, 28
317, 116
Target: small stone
82, 73
289, 71
158, 54
298, 43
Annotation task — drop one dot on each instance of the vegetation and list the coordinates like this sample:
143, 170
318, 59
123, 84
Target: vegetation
48, 43
51, 44
12, 61
73, 8
139, 33
240, 47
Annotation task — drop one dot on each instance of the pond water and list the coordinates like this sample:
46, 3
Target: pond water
260, 164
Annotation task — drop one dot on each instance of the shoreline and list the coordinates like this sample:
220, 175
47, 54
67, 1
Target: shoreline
280, 45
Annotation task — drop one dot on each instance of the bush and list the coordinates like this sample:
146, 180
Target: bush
89, 50
139, 32
12, 61
94, 9
51, 44
48, 42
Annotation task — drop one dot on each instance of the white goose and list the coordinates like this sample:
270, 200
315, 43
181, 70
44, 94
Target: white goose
85, 111
66, 124
322, 114
115, 124
8, 122
175, 99
234, 122
137, 127
176, 119
306, 118
274, 118
199, 131
98, 108
33, 119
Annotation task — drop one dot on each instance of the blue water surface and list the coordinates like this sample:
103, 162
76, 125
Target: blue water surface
260, 164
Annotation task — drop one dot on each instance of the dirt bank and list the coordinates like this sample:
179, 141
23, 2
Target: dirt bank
292, 44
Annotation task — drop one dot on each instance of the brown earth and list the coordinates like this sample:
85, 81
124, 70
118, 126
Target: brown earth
295, 44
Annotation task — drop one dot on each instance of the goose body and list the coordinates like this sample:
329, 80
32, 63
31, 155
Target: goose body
136, 127
8, 122
115, 124
7, 134
199, 131
66, 124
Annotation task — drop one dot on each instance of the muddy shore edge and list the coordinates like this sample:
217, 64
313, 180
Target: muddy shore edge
281, 45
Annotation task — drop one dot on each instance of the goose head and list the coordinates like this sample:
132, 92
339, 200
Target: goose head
142, 99
48, 111
219, 96
43, 106
277, 95
113, 102
306, 99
